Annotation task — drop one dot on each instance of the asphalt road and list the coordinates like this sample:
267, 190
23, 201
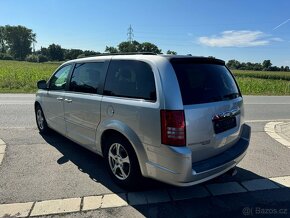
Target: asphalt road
42, 168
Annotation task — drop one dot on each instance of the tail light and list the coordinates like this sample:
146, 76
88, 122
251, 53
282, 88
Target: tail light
173, 127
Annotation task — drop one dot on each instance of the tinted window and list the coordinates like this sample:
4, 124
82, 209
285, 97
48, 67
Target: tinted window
86, 77
58, 80
203, 83
132, 79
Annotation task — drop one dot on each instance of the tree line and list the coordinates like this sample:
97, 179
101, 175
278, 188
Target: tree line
16, 44
266, 65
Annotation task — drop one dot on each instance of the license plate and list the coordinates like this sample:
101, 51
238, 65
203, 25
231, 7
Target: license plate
224, 124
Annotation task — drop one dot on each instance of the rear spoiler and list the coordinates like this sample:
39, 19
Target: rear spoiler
197, 60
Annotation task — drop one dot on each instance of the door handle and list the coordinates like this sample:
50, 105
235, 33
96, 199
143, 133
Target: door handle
59, 98
68, 100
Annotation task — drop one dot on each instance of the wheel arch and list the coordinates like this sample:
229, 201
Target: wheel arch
36, 103
118, 129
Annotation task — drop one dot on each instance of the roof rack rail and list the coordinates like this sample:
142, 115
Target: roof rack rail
126, 53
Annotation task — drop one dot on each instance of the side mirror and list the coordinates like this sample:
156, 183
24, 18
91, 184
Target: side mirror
42, 84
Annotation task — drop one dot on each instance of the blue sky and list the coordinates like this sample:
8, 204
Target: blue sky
246, 30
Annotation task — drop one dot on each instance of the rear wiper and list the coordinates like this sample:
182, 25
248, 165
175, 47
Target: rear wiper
231, 96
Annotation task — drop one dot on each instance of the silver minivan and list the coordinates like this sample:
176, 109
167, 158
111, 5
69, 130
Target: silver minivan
176, 119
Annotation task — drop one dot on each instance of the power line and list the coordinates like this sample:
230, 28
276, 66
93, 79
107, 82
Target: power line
130, 34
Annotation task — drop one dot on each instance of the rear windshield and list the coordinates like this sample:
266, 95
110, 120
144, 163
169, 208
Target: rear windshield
204, 83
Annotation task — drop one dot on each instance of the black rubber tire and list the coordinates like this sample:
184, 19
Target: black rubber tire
45, 128
132, 181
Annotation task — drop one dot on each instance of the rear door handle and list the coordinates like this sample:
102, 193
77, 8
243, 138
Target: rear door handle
59, 98
68, 100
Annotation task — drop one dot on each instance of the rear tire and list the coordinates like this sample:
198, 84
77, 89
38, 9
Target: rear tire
40, 120
122, 162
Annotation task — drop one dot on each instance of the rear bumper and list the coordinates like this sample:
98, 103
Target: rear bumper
181, 172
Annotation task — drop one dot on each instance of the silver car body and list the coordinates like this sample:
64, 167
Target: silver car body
84, 118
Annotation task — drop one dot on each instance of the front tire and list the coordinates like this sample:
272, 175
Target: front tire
40, 120
122, 162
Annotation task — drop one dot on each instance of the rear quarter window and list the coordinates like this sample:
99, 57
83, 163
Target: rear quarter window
130, 79
205, 82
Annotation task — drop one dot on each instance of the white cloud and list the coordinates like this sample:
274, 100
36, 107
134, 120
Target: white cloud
242, 38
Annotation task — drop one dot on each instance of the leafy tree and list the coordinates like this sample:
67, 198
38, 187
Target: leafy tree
81, 56
129, 47
42, 51
3, 45
70, 54
89, 53
148, 47
19, 40
171, 52
42, 58
234, 64
133, 46
111, 49
266, 64
55, 52
32, 58
5, 56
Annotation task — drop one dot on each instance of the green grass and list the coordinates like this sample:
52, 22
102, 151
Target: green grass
263, 74
21, 77
263, 82
255, 86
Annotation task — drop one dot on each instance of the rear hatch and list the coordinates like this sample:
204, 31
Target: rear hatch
213, 106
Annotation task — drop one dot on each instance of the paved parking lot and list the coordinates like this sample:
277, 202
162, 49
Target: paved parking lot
52, 175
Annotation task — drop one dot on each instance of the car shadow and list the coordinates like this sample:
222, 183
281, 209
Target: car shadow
92, 164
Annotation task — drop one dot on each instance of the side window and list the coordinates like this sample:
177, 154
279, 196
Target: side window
58, 80
86, 77
131, 79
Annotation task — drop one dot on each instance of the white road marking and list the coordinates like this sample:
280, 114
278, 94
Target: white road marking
1, 158
270, 130
15, 210
2, 150
2, 142
56, 206
114, 200
283, 181
92, 202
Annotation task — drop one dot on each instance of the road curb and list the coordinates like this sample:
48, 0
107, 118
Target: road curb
99, 202
270, 129
2, 150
